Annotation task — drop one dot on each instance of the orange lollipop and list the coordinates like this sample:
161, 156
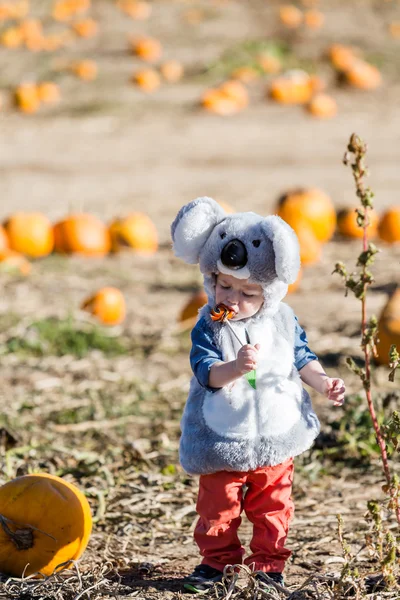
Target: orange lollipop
221, 312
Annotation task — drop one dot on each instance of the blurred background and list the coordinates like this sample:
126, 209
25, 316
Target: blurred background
115, 113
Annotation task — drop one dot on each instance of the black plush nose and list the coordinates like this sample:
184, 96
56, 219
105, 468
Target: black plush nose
234, 254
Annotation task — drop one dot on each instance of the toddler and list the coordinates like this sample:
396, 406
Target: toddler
247, 414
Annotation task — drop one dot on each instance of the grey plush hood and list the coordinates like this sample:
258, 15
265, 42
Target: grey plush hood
264, 250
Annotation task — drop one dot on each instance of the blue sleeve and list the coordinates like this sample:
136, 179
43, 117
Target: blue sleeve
302, 353
203, 354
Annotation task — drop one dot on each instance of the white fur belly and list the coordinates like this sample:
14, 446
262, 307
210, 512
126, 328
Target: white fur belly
231, 411
279, 407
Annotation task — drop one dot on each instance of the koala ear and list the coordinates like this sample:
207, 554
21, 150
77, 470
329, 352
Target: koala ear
192, 227
286, 248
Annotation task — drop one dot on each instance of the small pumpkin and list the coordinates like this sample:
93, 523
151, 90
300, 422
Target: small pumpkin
389, 225
27, 98
14, 262
347, 223
219, 103
4, 243
107, 305
85, 69
48, 92
135, 231
245, 74
44, 521
394, 29
363, 76
30, 234
269, 63
86, 28
189, 312
172, 71
135, 9
147, 79
290, 16
82, 233
322, 106
342, 57
311, 205
11, 37
293, 87
235, 90
388, 328
146, 48
314, 19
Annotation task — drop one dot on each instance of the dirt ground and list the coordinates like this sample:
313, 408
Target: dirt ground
110, 423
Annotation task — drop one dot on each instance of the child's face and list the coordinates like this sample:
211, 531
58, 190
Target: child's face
244, 298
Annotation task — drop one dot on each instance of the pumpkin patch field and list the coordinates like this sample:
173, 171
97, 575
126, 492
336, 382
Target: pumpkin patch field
113, 115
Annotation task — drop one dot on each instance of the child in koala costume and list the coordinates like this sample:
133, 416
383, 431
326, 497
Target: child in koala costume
247, 414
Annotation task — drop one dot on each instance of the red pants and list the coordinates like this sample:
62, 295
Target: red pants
267, 504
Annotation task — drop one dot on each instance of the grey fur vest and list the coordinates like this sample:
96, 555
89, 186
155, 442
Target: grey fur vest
239, 428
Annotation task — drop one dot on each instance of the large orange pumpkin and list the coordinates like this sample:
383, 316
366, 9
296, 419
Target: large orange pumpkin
82, 234
189, 312
364, 76
347, 223
311, 205
389, 328
30, 234
135, 231
389, 225
4, 243
44, 521
107, 305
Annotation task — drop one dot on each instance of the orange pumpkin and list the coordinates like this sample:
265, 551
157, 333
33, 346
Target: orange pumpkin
190, 311
347, 223
11, 37
147, 79
4, 243
389, 328
48, 92
342, 57
14, 262
269, 63
311, 205
322, 106
219, 103
135, 231
86, 28
172, 71
44, 521
234, 90
314, 19
135, 9
293, 287
146, 48
27, 98
290, 16
389, 225
30, 233
394, 29
363, 76
85, 69
294, 87
310, 247
82, 234
245, 74
107, 305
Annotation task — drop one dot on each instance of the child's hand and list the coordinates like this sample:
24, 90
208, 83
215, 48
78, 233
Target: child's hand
246, 359
334, 389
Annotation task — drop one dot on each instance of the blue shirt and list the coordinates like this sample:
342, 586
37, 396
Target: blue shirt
204, 352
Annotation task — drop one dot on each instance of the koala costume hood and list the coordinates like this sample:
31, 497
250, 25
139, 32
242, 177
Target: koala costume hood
237, 427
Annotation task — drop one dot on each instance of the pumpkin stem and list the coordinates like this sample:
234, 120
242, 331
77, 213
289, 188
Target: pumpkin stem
22, 538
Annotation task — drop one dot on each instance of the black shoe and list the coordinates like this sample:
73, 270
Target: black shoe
277, 577
202, 579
